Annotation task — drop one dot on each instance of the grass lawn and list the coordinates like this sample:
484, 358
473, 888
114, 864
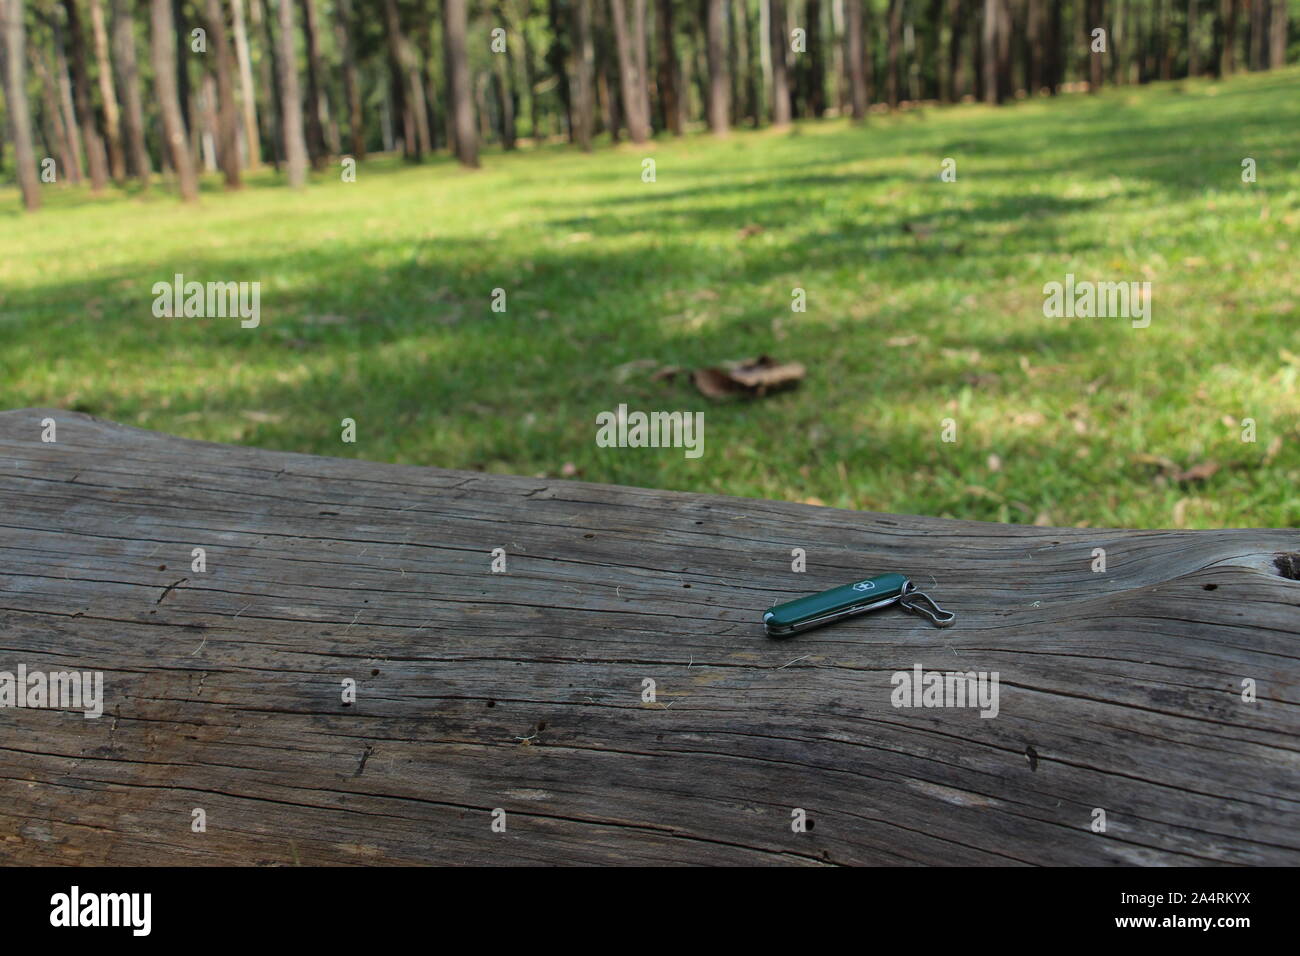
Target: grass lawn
924, 303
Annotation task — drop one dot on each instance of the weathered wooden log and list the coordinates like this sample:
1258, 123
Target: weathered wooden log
1125, 691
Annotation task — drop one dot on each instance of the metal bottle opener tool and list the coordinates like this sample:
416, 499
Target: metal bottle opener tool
805, 613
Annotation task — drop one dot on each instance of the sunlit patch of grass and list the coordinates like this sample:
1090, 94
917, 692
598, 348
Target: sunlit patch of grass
924, 303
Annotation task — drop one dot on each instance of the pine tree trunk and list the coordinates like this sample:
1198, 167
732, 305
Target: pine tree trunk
419, 100
989, 50
610, 112
752, 109
719, 102
1277, 35
344, 24
167, 97
107, 92
1228, 38
247, 92
128, 68
582, 99
268, 76
1096, 17
954, 87
16, 105
76, 169
315, 132
1055, 56
629, 86
507, 97
667, 67
639, 59
1034, 46
96, 161
530, 83
892, 52
853, 56
1258, 29
454, 17
1006, 82
295, 144
816, 61
563, 31
182, 45
397, 78
227, 111
777, 43
56, 124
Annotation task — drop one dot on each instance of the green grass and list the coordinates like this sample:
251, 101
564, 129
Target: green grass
376, 306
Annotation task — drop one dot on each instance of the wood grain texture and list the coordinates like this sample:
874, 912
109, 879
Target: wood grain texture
522, 691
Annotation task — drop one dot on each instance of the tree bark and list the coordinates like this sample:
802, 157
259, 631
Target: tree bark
556, 57
583, 119
56, 122
227, 111
853, 55
182, 46
1006, 81
628, 82
989, 49
1055, 56
108, 92
639, 59
315, 132
954, 86
719, 100
76, 169
400, 59
165, 92
892, 52
816, 60
1096, 17
780, 75
1258, 32
344, 24
459, 91
530, 82
1277, 35
1229, 10
268, 75
16, 105
667, 67
247, 92
1034, 46
128, 68
504, 78
609, 111
96, 161
295, 144
752, 109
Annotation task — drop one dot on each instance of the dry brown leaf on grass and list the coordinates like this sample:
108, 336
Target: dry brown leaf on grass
752, 378
1166, 465
625, 371
1169, 469
753, 229
1202, 472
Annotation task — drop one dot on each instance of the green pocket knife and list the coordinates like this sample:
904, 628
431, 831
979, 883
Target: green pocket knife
805, 613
